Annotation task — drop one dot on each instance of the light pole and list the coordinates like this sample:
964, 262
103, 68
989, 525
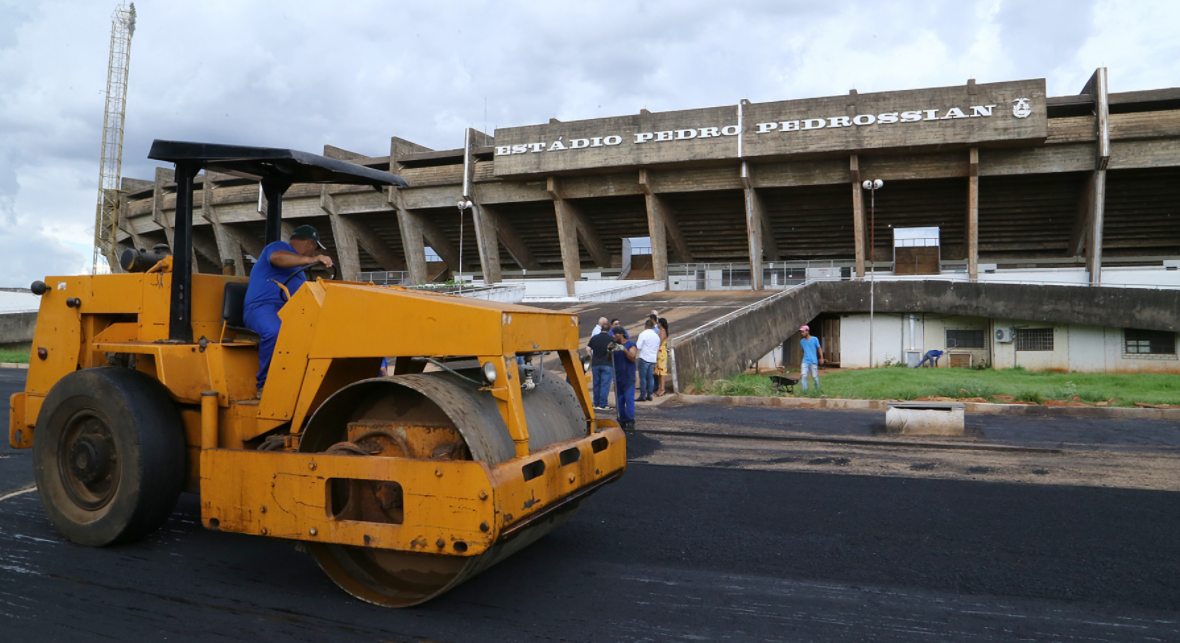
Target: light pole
872, 187
463, 204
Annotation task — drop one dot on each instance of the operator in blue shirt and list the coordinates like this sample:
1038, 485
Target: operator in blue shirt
278, 261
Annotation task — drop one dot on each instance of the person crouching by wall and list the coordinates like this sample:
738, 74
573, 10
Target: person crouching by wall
625, 355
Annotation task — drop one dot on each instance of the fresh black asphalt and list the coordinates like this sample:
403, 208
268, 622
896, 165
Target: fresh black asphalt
667, 553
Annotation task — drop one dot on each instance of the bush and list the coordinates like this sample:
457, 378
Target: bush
1030, 396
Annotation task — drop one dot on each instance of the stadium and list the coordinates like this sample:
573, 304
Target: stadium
996, 204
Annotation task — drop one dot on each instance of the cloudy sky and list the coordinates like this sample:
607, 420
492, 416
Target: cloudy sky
302, 74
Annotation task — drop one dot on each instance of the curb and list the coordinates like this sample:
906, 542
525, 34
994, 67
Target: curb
657, 401
13, 365
971, 407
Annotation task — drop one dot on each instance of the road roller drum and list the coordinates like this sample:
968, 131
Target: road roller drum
436, 416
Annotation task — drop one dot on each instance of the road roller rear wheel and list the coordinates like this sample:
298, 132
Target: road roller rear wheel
421, 416
108, 455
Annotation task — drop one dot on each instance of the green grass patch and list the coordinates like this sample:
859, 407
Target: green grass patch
15, 353
1122, 389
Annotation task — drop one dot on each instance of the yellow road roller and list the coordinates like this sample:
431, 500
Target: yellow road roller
142, 386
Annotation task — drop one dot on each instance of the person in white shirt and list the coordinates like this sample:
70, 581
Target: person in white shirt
649, 351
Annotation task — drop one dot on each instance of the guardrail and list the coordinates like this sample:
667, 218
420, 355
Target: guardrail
781, 275
385, 277
776, 275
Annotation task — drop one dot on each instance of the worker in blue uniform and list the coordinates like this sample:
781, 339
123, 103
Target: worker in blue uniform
278, 261
625, 355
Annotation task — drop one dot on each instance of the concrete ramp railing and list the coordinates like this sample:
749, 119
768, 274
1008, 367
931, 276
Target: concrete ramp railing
17, 326
726, 346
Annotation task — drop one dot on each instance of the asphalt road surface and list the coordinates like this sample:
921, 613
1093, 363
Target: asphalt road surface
667, 553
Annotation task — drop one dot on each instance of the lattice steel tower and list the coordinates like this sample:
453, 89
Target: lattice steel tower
111, 166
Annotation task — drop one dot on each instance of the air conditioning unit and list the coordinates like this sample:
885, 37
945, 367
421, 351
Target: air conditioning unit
1004, 335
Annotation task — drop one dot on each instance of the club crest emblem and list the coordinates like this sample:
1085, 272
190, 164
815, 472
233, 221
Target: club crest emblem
1021, 108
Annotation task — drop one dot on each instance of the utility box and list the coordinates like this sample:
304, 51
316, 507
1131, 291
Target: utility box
960, 360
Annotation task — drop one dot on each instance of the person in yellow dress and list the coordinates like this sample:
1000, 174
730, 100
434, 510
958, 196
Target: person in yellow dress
662, 357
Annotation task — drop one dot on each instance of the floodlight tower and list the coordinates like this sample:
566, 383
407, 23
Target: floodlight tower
111, 165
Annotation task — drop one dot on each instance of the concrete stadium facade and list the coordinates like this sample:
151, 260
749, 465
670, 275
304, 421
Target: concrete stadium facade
1006, 173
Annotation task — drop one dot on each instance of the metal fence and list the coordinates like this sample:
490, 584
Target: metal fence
385, 278
776, 275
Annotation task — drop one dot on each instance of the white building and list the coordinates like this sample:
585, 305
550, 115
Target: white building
1003, 343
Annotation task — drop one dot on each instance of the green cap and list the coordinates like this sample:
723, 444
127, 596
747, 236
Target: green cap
307, 232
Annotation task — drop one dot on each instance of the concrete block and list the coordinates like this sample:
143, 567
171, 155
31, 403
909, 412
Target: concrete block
925, 418
17, 327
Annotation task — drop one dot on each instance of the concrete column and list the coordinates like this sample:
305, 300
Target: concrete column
413, 243
134, 240
656, 229
973, 216
489, 247
344, 237
1097, 87
1097, 216
663, 229
246, 242
163, 176
371, 242
858, 215
567, 233
485, 230
505, 233
754, 217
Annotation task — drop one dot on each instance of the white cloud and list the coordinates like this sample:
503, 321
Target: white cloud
302, 74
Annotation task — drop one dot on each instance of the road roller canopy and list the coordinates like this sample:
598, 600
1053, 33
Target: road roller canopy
271, 164
275, 169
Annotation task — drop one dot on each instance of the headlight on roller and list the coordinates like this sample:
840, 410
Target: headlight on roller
489, 372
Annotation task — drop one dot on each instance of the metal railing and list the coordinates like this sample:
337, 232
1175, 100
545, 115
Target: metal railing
776, 275
385, 278
780, 275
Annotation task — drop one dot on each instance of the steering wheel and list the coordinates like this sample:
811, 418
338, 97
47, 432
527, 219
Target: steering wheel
283, 291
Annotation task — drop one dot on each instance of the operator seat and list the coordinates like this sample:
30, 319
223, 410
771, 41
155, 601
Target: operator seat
233, 310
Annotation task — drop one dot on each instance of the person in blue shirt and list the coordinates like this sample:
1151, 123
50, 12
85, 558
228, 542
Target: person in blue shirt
932, 357
278, 261
813, 356
614, 323
625, 355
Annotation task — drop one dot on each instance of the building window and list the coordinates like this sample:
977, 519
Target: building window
1034, 339
1148, 342
964, 339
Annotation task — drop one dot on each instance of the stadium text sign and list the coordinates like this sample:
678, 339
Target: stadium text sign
909, 119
